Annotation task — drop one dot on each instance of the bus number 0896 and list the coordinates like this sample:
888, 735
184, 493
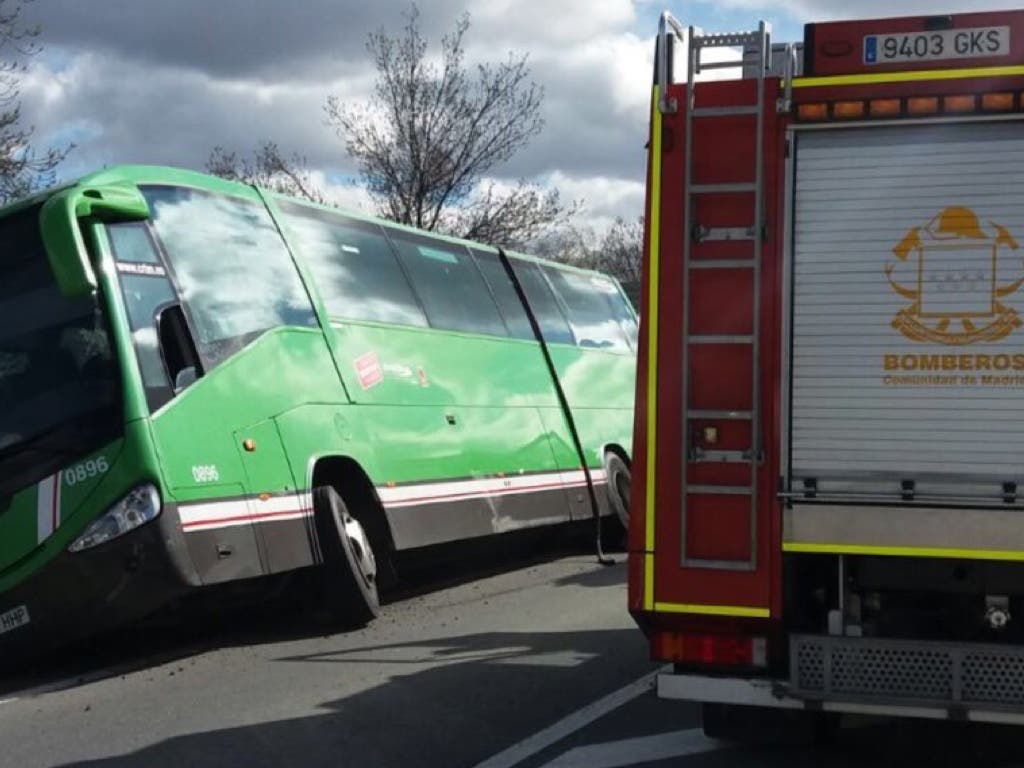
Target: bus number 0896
87, 469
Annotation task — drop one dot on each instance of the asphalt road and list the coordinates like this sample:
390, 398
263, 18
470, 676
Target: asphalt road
535, 666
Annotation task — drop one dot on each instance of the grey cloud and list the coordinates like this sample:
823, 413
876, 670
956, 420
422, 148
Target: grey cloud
228, 37
163, 83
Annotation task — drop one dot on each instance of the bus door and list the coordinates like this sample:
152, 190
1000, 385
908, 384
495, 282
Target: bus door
225, 332
200, 464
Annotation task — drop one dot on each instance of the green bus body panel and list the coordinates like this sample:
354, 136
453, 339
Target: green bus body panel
408, 405
280, 369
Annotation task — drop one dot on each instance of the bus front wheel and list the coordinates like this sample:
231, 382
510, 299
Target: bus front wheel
349, 563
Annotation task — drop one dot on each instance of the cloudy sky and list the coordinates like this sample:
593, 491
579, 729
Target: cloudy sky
164, 81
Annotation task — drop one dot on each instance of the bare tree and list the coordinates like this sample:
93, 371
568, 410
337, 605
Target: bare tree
268, 168
427, 139
618, 251
621, 250
22, 169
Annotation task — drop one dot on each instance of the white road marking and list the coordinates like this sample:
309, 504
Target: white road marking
571, 723
644, 749
564, 659
8, 701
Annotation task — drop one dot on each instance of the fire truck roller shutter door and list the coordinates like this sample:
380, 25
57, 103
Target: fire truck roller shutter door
908, 341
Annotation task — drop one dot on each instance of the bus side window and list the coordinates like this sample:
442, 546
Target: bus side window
353, 266
623, 312
145, 288
587, 298
545, 307
231, 266
449, 284
505, 295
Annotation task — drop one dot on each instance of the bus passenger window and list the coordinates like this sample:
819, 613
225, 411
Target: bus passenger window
353, 266
448, 283
545, 307
587, 297
231, 266
509, 305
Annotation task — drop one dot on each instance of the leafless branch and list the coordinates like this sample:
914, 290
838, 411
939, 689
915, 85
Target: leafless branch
23, 169
431, 133
268, 168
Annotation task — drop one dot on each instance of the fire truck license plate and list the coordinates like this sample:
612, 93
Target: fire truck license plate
973, 43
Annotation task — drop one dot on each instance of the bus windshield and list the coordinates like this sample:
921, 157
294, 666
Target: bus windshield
59, 382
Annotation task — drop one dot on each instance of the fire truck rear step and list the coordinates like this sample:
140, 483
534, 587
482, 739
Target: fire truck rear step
907, 672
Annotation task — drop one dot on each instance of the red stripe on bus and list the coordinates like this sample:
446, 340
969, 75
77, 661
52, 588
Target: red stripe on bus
55, 503
239, 518
474, 494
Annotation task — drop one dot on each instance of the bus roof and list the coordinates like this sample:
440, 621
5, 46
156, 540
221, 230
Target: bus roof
167, 175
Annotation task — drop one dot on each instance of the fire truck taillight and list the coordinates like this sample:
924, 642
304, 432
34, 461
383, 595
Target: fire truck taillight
716, 650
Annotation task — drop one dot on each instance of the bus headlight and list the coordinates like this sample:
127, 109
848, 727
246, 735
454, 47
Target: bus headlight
141, 505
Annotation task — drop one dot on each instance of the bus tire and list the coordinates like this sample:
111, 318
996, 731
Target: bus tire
768, 725
619, 487
349, 563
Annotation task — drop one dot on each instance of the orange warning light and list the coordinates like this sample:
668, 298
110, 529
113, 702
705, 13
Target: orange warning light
815, 111
958, 104
884, 107
923, 105
848, 109
998, 102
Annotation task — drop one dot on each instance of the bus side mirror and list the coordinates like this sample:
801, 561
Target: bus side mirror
62, 237
177, 347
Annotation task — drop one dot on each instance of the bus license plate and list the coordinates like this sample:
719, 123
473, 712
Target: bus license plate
973, 43
14, 618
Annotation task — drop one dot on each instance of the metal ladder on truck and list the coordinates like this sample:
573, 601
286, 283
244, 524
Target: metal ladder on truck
756, 62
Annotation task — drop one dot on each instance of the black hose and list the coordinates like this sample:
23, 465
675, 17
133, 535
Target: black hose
563, 402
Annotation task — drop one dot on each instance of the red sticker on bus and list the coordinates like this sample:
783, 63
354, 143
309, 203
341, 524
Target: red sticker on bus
369, 371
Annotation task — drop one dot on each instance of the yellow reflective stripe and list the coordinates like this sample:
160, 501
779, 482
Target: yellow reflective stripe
908, 77
654, 245
713, 610
649, 581
868, 549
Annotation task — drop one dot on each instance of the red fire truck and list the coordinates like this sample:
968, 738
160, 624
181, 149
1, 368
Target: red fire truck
828, 508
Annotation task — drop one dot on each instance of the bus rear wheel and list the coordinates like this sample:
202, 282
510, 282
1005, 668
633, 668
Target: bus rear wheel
619, 487
349, 566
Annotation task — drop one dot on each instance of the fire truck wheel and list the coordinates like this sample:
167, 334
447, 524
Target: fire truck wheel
619, 483
768, 725
349, 564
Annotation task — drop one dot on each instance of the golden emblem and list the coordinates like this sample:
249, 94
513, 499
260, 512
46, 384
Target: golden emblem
957, 298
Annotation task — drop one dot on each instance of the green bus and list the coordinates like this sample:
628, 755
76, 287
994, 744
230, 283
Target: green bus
204, 382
